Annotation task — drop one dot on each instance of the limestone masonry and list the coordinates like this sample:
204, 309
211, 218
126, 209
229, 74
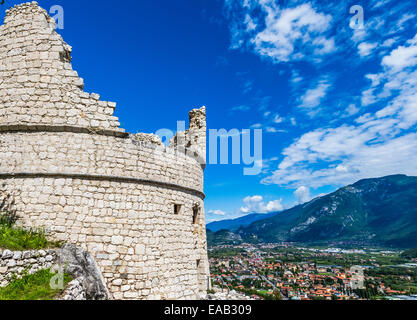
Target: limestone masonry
88, 283
65, 166
18, 262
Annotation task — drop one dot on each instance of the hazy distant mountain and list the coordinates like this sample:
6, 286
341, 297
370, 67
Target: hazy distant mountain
379, 211
223, 237
235, 224
410, 254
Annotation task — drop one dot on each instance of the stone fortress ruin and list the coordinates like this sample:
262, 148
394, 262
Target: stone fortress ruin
67, 167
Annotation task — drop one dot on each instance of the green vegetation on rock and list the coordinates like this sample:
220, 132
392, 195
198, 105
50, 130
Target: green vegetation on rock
32, 287
19, 239
223, 237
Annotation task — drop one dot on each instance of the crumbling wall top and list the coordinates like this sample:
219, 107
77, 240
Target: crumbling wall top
26, 8
193, 141
39, 90
38, 85
198, 118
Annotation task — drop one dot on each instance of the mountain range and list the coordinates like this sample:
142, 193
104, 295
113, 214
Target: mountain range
235, 224
381, 211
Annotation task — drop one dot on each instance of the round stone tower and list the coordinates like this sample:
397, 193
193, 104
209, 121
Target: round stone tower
66, 167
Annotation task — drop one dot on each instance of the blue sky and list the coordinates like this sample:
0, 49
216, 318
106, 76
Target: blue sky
336, 104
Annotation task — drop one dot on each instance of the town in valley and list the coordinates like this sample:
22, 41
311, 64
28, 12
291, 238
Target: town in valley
289, 272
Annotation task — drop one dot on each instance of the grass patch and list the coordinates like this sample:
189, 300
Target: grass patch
326, 274
18, 239
32, 287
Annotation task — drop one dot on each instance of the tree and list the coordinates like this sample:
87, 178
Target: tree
277, 295
409, 254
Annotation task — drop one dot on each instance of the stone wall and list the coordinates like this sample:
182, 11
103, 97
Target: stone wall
135, 204
20, 262
38, 85
74, 291
88, 283
96, 155
220, 294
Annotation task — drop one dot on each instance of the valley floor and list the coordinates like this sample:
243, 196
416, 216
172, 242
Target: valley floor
281, 272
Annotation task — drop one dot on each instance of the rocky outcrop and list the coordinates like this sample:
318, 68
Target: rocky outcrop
81, 266
78, 263
74, 291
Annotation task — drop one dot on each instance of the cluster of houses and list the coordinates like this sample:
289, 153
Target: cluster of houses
253, 271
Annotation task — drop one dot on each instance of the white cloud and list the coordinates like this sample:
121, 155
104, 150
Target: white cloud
296, 78
359, 35
242, 108
289, 34
289, 30
217, 212
389, 43
381, 139
352, 110
302, 194
391, 157
403, 20
248, 86
278, 119
380, 3
267, 163
378, 143
250, 24
256, 204
270, 123
368, 96
313, 97
403, 56
366, 48
382, 23
274, 130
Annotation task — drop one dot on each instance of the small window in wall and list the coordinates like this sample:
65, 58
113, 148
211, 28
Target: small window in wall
177, 208
196, 214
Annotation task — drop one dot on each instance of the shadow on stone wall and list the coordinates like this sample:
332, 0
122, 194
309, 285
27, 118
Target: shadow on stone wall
8, 213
